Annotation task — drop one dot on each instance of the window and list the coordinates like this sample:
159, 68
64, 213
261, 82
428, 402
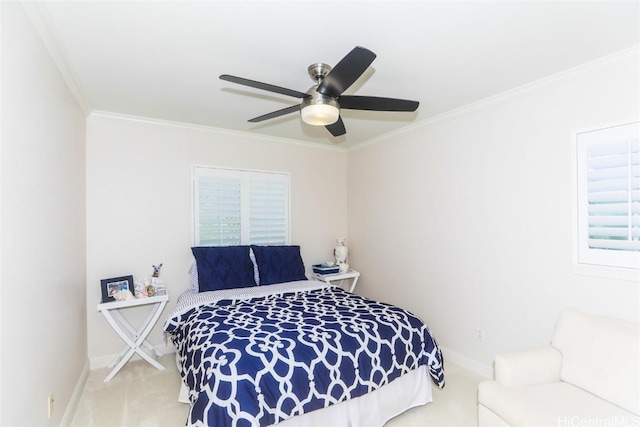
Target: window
608, 196
239, 207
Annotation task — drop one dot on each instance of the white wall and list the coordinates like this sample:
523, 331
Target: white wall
467, 219
44, 347
139, 203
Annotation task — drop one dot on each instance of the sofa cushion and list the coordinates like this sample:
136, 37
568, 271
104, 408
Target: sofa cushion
600, 355
528, 367
555, 404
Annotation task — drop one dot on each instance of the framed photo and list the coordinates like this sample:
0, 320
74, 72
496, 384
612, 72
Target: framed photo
115, 284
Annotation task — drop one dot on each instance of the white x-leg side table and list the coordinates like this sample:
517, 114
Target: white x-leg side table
135, 339
352, 275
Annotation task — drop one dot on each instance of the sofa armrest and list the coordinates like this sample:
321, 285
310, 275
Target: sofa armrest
528, 367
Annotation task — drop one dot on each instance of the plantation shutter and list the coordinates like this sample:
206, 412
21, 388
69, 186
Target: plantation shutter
219, 219
234, 207
268, 211
608, 190
613, 189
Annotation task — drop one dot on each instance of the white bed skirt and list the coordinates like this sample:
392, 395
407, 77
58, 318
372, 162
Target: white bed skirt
372, 409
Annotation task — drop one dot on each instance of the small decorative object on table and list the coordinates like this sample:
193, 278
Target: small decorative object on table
125, 295
113, 286
340, 252
151, 286
150, 290
156, 270
140, 290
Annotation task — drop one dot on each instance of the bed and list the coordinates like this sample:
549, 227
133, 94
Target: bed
275, 348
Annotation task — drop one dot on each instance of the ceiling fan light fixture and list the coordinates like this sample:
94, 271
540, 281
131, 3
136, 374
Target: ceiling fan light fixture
320, 114
319, 110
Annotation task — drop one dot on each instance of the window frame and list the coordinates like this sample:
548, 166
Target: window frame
244, 175
591, 261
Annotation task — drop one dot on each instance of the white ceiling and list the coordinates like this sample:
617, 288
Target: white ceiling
162, 59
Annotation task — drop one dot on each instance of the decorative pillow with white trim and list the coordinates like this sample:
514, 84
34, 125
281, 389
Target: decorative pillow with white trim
279, 264
193, 272
223, 267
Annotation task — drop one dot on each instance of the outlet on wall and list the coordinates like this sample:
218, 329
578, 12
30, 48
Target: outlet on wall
480, 334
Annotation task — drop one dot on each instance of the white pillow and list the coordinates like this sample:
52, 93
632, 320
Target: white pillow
193, 276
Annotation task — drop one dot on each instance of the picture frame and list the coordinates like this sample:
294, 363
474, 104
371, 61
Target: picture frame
111, 286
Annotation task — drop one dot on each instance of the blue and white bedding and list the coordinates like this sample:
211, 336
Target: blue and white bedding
257, 356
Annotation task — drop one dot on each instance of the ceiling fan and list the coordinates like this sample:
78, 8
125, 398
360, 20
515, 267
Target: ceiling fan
321, 104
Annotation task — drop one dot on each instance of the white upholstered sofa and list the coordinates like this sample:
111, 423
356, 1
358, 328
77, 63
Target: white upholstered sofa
588, 376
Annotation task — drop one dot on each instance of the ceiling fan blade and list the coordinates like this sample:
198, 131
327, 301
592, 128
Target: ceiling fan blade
337, 128
346, 72
374, 103
275, 114
264, 86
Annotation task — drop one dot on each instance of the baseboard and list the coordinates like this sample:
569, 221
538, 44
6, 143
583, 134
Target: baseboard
72, 407
467, 363
104, 361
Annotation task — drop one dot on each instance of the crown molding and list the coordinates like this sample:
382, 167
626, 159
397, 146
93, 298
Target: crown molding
628, 53
40, 19
220, 131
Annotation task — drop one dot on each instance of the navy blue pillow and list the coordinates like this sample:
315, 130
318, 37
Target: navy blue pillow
279, 264
223, 267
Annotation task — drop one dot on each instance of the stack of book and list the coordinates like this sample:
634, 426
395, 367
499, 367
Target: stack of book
326, 268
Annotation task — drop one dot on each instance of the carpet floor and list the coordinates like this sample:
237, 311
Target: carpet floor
140, 395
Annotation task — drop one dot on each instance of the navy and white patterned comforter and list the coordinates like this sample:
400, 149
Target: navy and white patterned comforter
257, 356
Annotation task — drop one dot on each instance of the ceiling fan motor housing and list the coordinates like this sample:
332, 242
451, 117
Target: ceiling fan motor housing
318, 70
